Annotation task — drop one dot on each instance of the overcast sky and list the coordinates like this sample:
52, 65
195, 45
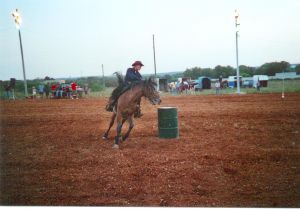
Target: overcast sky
63, 38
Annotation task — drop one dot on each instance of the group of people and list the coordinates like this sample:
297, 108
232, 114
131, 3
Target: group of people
57, 90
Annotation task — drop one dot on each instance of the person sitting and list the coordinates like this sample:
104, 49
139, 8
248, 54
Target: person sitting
132, 75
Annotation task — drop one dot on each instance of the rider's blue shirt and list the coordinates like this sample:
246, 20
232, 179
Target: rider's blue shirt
132, 75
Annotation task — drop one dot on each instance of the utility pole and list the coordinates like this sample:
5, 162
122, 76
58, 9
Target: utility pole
154, 55
18, 21
103, 76
237, 51
282, 93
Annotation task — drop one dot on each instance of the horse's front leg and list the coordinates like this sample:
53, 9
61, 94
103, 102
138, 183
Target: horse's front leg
131, 125
112, 120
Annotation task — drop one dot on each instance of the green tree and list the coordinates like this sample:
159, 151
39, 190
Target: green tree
246, 71
188, 73
168, 77
223, 71
193, 73
272, 68
208, 72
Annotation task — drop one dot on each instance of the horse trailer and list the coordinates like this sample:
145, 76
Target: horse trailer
263, 80
203, 83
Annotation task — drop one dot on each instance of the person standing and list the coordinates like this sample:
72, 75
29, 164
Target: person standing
68, 91
33, 92
74, 89
53, 89
41, 90
86, 89
217, 86
7, 90
47, 89
220, 80
258, 85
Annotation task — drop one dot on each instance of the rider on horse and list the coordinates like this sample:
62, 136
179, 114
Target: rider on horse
132, 76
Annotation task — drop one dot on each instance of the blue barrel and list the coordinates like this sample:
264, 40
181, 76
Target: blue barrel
168, 122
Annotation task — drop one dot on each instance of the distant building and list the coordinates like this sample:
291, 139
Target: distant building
263, 80
293, 66
291, 75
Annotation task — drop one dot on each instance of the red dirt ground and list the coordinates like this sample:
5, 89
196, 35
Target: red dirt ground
233, 151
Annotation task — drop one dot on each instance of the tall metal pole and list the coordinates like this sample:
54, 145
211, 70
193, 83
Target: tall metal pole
23, 65
18, 20
154, 55
282, 93
237, 54
103, 76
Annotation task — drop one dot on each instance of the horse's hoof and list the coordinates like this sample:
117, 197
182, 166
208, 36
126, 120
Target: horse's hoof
116, 146
105, 136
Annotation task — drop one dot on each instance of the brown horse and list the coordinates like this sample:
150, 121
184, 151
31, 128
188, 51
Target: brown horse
127, 105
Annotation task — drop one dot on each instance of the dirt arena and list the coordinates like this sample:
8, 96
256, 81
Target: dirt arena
233, 151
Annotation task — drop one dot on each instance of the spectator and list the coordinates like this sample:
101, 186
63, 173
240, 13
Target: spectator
7, 91
68, 91
47, 89
74, 88
221, 82
258, 85
218, 86
33, 92
86, 89
53, 89
79, 91
59, 90
41, 90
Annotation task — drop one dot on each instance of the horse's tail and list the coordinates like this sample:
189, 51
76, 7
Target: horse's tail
116, 92
120, 78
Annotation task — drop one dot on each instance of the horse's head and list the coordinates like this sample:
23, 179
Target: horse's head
150, 92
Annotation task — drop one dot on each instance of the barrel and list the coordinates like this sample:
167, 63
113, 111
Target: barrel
168, 122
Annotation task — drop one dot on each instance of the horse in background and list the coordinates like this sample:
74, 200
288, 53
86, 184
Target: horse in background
183, 86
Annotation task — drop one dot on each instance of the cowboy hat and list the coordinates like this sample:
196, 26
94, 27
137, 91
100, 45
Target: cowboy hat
137, 63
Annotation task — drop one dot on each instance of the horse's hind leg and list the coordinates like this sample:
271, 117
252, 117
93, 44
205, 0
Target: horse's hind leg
112, 120
118, 136
131, 125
